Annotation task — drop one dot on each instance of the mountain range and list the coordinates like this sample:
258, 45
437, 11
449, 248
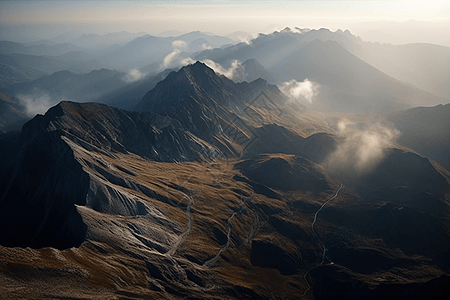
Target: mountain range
352, 75
67, 85
210, 188
346, 81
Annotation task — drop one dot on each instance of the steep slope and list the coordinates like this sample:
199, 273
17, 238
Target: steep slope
47, 193
146, 134
37, 173
208, 104
426, 130
198, 81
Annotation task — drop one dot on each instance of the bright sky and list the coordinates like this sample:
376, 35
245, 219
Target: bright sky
398, 19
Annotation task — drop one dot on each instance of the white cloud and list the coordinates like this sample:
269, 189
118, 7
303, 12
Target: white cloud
235, 72
359, 150
206, 47
133, 75
181, 45
304, 90
35, 104
186, 61
174, 58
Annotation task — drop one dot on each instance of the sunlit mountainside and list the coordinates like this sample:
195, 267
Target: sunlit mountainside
296, 164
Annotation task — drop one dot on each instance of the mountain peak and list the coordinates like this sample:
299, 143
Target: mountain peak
190, 81
198, 66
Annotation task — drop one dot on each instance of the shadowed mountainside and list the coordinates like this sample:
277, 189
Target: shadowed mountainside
426, 130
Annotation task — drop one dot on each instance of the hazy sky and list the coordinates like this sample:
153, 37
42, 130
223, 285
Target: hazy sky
395, 21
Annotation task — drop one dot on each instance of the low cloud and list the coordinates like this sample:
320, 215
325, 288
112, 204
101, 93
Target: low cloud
300, 30
305, 90
235, 72
206, 47
174, 58
186, 61
35, 104
133, 75
247, 39
360, 149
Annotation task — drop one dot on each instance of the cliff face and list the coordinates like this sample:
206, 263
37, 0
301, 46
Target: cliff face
40, 189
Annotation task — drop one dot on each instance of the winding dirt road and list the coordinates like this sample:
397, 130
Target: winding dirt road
318, 238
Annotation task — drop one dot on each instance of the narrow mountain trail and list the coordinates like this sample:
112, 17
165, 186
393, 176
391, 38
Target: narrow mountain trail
318, 238
182, 237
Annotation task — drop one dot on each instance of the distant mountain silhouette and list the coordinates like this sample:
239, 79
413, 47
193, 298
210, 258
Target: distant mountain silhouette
426, 130
67, 85
96, 41
347, 82
254, 70
7, 47
426, 66
10, 75
148, 49
45, 64
213, 41
128, 96
138, 52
